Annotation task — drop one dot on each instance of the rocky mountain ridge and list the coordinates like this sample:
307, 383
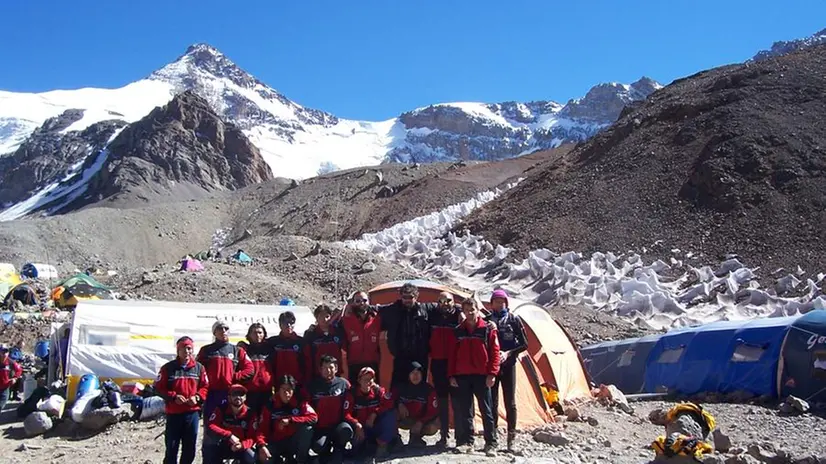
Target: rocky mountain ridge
784, 47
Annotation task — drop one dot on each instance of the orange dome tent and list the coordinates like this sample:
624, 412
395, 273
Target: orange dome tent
552, 359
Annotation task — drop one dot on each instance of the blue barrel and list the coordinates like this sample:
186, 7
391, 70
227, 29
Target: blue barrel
87, 383
41, 350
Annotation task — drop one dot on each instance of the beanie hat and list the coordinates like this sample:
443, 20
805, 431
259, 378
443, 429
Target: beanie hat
499, 293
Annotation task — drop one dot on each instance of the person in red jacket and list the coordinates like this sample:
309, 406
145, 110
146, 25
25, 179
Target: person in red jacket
362, 327
372, 410
417, 407
443, 323
183, 384
9, 371
285, 427
327, 393
472, 366
322, 338
288, 352
259, 387
230, 430
225, 363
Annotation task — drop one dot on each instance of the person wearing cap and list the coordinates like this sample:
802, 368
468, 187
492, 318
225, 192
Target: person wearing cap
512, 342
259, 387
362, 327
417, 406
473, 366
183, 384
285, 426
288, 351
10, 370
225, 363
328, 393
370, 409
322, 338
443, 323
230, 430
407, 322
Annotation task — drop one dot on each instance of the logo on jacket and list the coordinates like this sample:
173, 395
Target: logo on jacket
335, 339
336, 392
295, 347
231, 356
295, 412
243, 424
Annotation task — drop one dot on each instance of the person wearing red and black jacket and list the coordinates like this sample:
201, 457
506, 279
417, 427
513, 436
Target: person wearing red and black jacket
407, 322
259, 387
473, 366
512, 342
361, 326
443, 324
322, 338
230, 432
288, 352
417, 407
372, 409
225, 363
327, 393
183, 385
9, 371
285, 426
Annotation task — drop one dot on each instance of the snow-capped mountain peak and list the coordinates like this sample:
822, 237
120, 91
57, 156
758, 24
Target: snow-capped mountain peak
203, 58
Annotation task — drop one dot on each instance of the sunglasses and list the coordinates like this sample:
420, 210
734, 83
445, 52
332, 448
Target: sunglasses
445, 301
223, 327
237, 394
408, 297
359, 301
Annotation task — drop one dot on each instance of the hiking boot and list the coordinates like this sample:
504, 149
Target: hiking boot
416, 441
490, 450
511, 437
463, 449
382, 451
442, 443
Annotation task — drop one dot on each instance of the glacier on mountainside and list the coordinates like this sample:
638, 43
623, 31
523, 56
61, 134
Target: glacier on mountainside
656, 295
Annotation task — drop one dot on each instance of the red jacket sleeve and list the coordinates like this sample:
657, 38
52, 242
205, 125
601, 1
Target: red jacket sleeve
431, 408
307, 415
18, 370
387, 402
203, 384
493, 350
246, 370
262, 428
200, 356
214, 423
162, 384
349, 399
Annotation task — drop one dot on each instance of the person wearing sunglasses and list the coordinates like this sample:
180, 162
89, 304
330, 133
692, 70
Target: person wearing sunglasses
443, 324
225, 363
230, 430
362, 326
288, 351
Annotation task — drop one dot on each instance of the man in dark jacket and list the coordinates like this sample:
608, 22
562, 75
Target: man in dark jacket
512, 342
183, 384
443, 324
407, 323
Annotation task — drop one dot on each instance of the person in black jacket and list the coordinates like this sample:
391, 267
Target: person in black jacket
512, 342
407, 323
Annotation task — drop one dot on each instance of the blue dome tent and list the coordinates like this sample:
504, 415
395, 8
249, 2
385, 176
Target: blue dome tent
802, 371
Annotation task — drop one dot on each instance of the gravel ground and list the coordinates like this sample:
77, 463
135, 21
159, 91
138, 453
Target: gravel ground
602, 435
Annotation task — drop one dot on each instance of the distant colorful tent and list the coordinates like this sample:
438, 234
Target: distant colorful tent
68, 296
242, 257
23, 293
78, 278
9, 278
191, 265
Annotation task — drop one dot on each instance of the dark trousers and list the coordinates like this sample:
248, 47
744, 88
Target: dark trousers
506, 378
471, 386
213, 400
181, 432
4, 398
353, 372
215, 453
296, 447
329, 443
401, 369
441, 382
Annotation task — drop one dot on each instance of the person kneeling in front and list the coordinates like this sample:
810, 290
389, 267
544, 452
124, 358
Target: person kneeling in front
417, 407
327, 393
285, 428
230, 430
370, 408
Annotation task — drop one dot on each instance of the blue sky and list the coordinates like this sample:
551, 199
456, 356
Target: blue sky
372, 59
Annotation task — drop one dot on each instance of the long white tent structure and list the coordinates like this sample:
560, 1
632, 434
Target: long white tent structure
131, 340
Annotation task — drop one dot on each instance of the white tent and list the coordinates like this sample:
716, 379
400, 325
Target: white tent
131, 340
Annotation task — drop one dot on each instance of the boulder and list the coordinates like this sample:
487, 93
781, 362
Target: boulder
37, 423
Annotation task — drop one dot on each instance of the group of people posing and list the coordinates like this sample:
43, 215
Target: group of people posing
272, 399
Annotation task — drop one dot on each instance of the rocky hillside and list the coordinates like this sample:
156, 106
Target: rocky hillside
731, 160
182, 151
787, 46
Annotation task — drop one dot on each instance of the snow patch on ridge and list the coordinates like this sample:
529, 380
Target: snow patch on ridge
656, 295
